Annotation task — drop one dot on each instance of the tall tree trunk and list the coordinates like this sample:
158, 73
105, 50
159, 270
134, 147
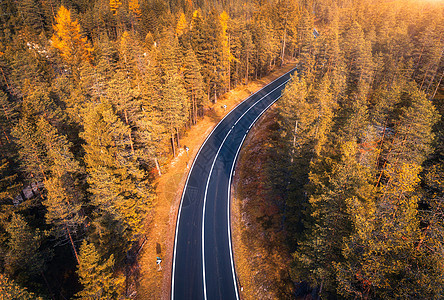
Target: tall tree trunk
283, 44
130, 138
195, 110
173, 144
72, 244
246, 71
294, 140
178, 137
4, 77
51, 294
229, 66
157, 165
439, 83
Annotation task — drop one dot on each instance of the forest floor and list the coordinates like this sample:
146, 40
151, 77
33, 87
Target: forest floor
261, 256
161, 223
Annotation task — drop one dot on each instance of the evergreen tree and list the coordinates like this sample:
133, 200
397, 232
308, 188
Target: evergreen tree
174, 107
68, 39
194, 84
118, 186
23, 260
96, 275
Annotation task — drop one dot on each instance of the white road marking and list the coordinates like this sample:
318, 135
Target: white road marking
186, 184
206, 192
203, 214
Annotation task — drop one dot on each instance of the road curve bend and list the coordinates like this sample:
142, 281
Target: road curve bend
203, 264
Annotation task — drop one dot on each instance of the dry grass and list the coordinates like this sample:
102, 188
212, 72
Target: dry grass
160, 229
261, 256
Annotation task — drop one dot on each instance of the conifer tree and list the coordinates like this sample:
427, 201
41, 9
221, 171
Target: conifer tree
114, 5
96, 275
118, 186
68, 39
226, 56
9, 185
174, 107
64, 209
181, 25
23, 259
194, 84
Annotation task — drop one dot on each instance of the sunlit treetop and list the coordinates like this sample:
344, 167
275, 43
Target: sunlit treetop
67, 38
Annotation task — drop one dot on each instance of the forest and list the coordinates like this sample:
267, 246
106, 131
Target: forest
95, 96
363, 128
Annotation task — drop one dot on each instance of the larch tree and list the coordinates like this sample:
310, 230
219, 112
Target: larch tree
11, 290
194, 84
226, 56
182, 25
174, 107
68, 39
114, 5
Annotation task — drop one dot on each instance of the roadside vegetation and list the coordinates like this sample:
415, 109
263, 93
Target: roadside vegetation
363, 130
262, 255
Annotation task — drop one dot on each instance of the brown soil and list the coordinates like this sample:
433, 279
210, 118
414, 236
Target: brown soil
161, 223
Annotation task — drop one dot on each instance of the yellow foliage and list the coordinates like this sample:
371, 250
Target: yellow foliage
405, 177
197, 14
114, 5
68, 40
134, 7
181, 24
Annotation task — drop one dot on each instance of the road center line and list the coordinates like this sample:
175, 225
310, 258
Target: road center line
232, 172
206, 192
186, 184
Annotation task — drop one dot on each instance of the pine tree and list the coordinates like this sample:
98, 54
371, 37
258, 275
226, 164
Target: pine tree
10, 188
114, 5
181, 25
287, 19
68, 39
64, 209
194, 84
226, 56
96, 275
134, 8
174, 107
23, 260
118, 186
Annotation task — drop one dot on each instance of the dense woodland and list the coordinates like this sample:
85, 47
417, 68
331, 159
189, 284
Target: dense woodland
95, 96
363, 126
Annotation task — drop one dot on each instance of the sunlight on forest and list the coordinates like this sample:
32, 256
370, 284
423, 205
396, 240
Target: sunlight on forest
96, 97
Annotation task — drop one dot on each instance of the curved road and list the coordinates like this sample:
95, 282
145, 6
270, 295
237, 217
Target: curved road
203, 266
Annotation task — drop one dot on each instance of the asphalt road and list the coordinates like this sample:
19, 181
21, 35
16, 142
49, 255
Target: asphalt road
203, 266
